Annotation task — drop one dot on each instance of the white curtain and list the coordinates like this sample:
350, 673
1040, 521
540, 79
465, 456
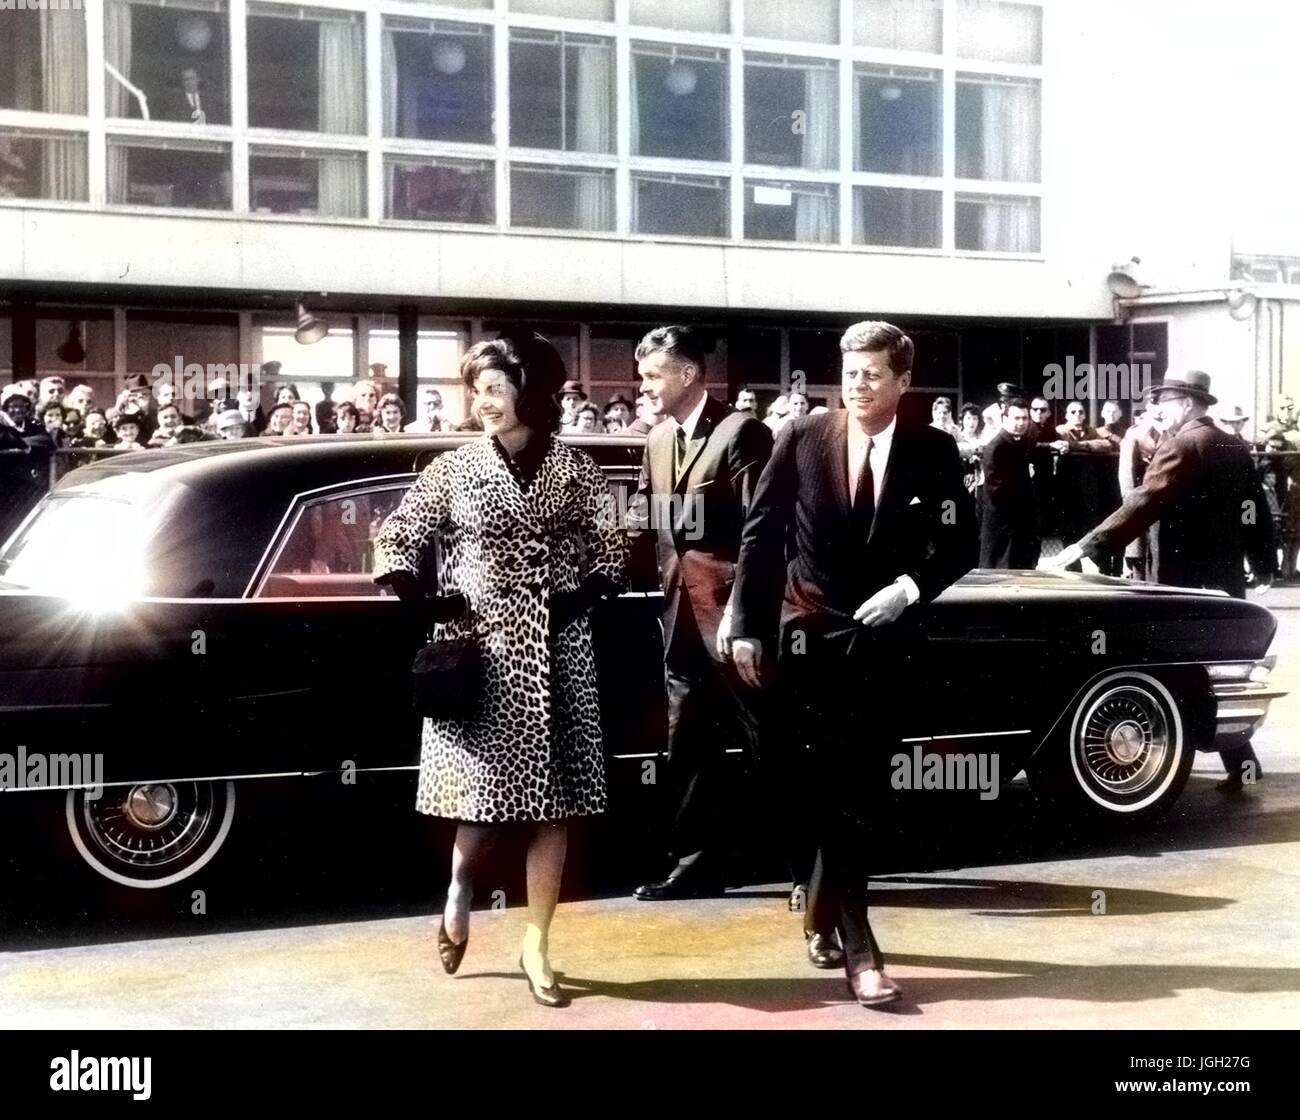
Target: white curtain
1008, 226
63, 67
634, 108
814, 215
1009, 129
117, 49
821, 139
341, 182
813, 212
594, 132
388, 78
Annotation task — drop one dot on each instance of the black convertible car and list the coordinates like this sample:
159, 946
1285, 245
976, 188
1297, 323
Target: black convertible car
196, 618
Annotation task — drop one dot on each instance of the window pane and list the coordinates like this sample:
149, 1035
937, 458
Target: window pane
998, 128
561, 91
177, 58
679, 103
331, 540
560, 198
443, 190
43, 165
791, 212
574, 9
187, 175
812, 21
790, 112
682, 15
899, 127
159, 337
997, 224
815, 354
1000, 32
332, 184
43, 60
306, 73
896, 216
437, 80
676, 206
900, 27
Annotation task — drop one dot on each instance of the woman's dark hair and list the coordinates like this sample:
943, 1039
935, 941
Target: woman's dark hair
55, 406
391, 398
532, 366
293, 389
973, 410
343, 408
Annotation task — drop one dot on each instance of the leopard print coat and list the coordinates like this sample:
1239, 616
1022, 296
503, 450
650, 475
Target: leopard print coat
533, 751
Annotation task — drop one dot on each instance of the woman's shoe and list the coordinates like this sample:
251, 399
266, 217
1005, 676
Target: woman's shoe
552, 996
448, 951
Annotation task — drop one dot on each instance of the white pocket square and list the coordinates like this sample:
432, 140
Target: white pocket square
914, 502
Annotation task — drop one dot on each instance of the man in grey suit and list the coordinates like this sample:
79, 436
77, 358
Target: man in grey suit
698, 475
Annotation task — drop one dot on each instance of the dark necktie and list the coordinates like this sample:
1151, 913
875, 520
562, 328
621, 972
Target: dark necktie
864, 494
679, 456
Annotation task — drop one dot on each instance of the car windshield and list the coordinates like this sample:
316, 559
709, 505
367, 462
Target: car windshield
81, 546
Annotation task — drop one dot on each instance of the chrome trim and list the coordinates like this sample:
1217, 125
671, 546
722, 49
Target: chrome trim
1231, 715
967, 735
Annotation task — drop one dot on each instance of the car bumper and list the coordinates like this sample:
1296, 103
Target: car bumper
1241, 707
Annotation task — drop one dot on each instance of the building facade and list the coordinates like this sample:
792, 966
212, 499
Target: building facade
176, 176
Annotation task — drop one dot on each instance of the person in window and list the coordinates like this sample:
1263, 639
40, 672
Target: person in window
189, 101
287, 393
586, 420
365, 395
128, 429
528, 540
280, 420
572, 397
390, 415
169, 423
430, 408
94, 429
302, 419
345, 418
941, 417
231, 424
618, 414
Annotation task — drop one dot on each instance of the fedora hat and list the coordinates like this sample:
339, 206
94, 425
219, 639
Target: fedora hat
1191, 383
1231, 415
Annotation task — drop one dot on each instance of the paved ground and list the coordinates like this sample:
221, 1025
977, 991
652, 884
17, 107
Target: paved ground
1202, 929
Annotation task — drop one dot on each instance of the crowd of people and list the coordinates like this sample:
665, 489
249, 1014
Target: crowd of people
1037, 482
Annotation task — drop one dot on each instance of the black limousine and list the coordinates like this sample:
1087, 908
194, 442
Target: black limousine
203, 616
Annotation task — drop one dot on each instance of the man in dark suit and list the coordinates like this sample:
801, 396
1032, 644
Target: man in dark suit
1009, 522
1203, 489
855, 520
698, 474
193, 102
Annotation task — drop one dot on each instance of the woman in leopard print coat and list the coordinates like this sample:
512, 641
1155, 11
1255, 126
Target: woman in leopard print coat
528, 534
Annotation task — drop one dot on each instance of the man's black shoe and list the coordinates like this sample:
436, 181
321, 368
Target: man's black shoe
679, 886
823, 952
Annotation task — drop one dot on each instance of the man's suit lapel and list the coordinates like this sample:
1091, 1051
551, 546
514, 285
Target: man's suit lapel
895, 469
835, 450
709, 419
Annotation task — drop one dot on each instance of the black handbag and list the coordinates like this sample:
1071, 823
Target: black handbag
447, 676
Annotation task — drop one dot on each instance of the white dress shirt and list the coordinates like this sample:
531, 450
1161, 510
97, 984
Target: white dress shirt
693, 420
881, 444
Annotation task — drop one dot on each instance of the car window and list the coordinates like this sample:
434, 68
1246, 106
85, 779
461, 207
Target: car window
329, 550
